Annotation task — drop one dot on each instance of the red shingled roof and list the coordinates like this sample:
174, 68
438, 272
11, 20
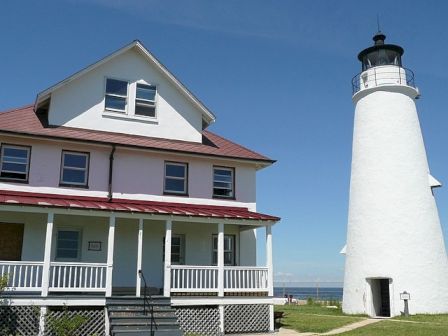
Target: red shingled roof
25, 121
122, 205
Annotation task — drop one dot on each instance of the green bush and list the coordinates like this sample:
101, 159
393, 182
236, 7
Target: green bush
65, 325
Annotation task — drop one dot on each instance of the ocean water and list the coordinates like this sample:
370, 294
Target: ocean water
303, 293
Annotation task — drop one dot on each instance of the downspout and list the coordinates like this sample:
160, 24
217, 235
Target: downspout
111, 168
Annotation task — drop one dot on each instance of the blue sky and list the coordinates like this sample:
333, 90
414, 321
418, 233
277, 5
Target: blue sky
277, 75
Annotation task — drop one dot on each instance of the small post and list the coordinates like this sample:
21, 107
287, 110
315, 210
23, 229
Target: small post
405, 296
269, 260
110, 255
43, 313
220, 261
221, 319
47, 255
167, 274
139, 257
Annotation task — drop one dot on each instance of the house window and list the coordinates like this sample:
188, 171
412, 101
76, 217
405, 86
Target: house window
15, 162
145, 100
176, 178
223, 182
177, 249
68, 244
116, 95
74, 169
229, 250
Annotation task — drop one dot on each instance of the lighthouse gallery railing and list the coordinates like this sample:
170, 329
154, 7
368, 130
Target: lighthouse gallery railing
382, 75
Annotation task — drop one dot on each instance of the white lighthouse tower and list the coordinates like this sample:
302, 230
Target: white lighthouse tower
394, 238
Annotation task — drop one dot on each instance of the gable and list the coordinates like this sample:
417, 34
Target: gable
79, 101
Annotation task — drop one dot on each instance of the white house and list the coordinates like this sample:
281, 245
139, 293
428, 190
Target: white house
110, 181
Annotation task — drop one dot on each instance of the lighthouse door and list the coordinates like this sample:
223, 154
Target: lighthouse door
380, 297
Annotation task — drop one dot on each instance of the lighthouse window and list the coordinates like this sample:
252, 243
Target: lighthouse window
381, 57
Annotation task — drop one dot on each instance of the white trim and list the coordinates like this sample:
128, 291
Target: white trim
126, 108
110, 255
167, 264
152, 103
135, 44
139, 257
214, 300
269, 263
47, 254
220, 259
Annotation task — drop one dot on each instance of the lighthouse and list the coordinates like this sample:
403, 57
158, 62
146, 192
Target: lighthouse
395, 248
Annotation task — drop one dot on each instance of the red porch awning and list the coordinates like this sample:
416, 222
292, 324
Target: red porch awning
133, 206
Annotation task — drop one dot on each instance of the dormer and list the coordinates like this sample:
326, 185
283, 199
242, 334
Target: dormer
128, 92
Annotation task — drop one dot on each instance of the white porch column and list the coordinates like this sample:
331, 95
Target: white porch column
110, 255
269, 260
167, 274
220, 260
138, 285
47, 254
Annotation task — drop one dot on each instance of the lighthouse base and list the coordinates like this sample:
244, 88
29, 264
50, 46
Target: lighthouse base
380, 297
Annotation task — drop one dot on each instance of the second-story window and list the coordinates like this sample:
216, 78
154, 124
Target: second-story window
15, 162
74, 169
145, 100
176, 181
223, 182
116, 95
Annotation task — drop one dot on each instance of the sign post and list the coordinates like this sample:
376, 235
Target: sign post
405, 296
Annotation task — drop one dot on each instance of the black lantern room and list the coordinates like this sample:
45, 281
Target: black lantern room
380, 53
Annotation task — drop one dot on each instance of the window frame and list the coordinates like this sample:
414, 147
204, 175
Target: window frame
173, 192
231, 169
215, 236
87, 170
113, 110
78, 248
28, 164
145, 101
182, 254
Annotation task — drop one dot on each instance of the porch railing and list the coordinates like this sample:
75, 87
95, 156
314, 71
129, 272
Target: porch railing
205, 279
77, 277
23, 276
194, 278
245, 279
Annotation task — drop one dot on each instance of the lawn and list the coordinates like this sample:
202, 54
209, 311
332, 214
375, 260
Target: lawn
314, 318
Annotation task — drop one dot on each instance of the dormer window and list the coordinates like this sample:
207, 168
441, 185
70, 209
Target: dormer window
116, 95
145, 100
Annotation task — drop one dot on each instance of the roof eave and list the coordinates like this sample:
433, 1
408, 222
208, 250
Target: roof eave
260, 163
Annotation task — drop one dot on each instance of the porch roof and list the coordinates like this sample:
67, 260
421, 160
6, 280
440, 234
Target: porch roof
130, 206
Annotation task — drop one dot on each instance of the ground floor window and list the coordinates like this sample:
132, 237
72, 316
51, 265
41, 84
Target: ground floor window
229, 250
177, 249
68, 244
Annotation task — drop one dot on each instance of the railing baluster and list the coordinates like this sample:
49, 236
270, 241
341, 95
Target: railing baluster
70, 276
85, 276
91, 276
96, 277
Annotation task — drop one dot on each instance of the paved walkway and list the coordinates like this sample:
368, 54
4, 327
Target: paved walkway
348, 327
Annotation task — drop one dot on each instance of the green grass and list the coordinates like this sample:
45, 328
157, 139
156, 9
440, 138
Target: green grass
393, 328
314, 318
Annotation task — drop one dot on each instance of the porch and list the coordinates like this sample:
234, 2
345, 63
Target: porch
118, 246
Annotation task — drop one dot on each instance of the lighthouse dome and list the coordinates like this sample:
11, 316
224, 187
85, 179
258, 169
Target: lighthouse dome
380, 53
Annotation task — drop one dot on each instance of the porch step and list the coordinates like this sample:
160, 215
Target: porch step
147, 333
127, 316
